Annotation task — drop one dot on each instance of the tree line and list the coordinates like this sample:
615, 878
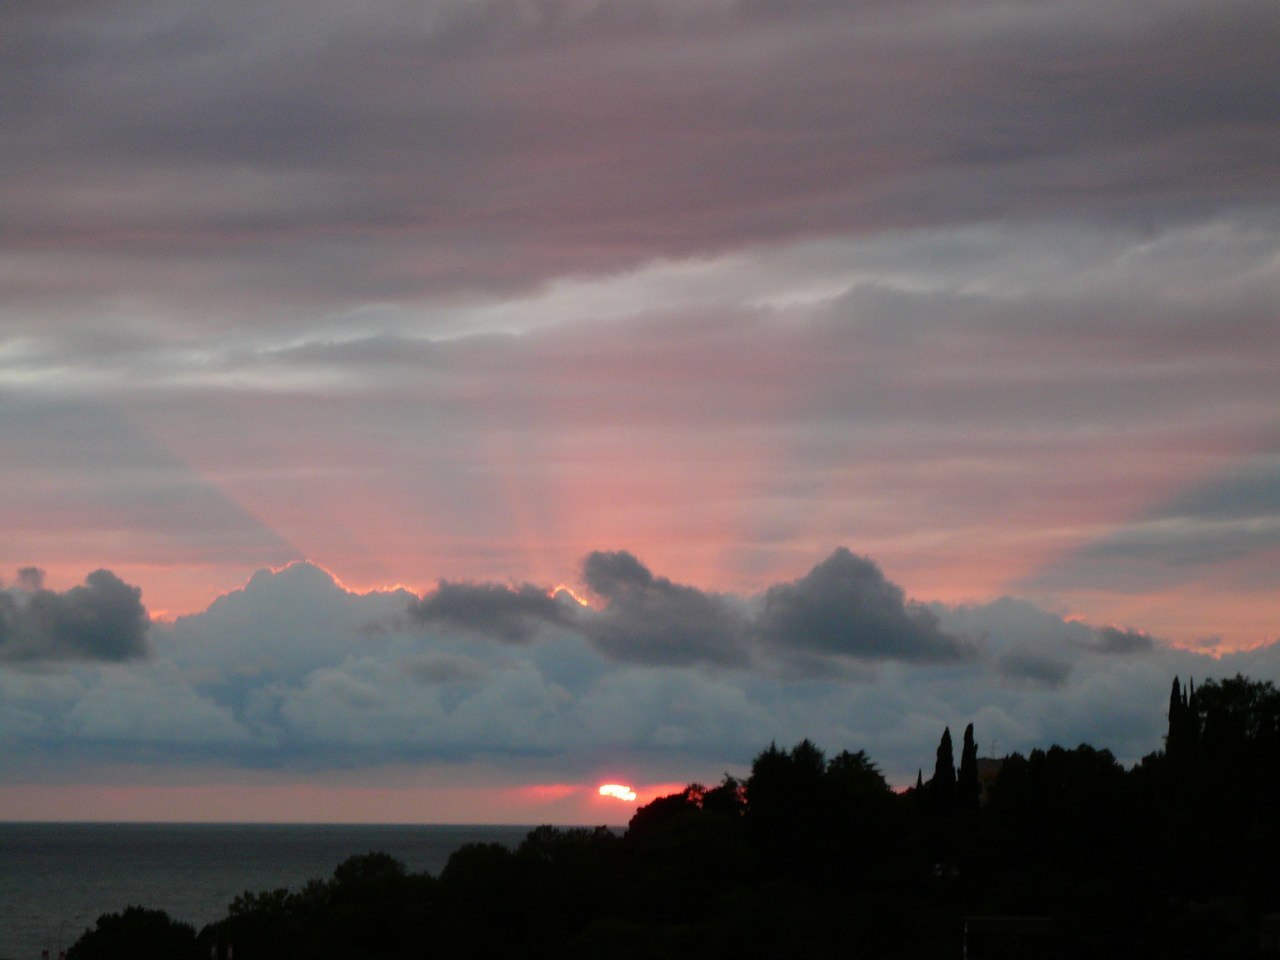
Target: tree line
1062, 852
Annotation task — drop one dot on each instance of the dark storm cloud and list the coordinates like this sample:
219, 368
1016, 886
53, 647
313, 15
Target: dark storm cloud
612, 573
651, 620
1115, 640
335, 153
512, 614
102, 620
845, 607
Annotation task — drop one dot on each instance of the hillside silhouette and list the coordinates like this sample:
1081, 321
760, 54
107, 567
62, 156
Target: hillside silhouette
1062, 852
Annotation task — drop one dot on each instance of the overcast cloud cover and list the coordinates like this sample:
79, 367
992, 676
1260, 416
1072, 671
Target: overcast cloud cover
666, 301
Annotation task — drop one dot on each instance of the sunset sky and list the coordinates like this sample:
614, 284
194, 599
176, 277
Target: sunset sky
430, 411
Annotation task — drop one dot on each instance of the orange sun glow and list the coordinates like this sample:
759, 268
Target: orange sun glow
618, 791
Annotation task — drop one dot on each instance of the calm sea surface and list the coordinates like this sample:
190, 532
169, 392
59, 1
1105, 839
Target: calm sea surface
57, 878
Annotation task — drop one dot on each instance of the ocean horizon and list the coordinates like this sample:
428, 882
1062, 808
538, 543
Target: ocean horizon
57, 878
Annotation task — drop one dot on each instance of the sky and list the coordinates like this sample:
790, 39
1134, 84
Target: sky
428, 411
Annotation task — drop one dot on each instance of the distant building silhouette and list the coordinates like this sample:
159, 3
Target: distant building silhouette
988, 772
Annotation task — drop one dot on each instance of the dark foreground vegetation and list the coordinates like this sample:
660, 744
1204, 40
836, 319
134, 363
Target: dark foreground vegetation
1060, 853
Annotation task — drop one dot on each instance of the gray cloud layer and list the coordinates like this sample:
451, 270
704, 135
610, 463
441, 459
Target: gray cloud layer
102, 620
494, 145
286, 674
1223, 522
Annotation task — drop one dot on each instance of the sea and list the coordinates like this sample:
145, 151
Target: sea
56, 879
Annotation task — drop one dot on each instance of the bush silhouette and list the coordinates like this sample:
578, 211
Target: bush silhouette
136, 934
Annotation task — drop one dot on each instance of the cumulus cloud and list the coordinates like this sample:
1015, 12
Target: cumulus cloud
283, 674
445, 668
839, 620
152, 705
512, 614
649, 619
845, 607
102, 620
1115, 640
280, 625
613, 573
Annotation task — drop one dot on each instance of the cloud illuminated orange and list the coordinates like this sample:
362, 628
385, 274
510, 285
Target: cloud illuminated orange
618, 791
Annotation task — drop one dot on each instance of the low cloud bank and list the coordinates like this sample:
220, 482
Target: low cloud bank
294, 672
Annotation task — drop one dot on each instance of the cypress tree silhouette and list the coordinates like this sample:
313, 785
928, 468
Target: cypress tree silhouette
968, 790
1183, 738
942, 788
1175, 706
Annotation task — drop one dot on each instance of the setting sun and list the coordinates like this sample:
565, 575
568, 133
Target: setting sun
617, 791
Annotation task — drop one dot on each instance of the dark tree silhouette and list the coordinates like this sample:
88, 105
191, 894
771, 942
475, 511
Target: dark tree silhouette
136, 934
728, 799
783, 818
662, 809
862, 819
1183, 739
942, 788
480, 894
968, 790
685, 851
855, 780
371, 907
566, 879
1240, 720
